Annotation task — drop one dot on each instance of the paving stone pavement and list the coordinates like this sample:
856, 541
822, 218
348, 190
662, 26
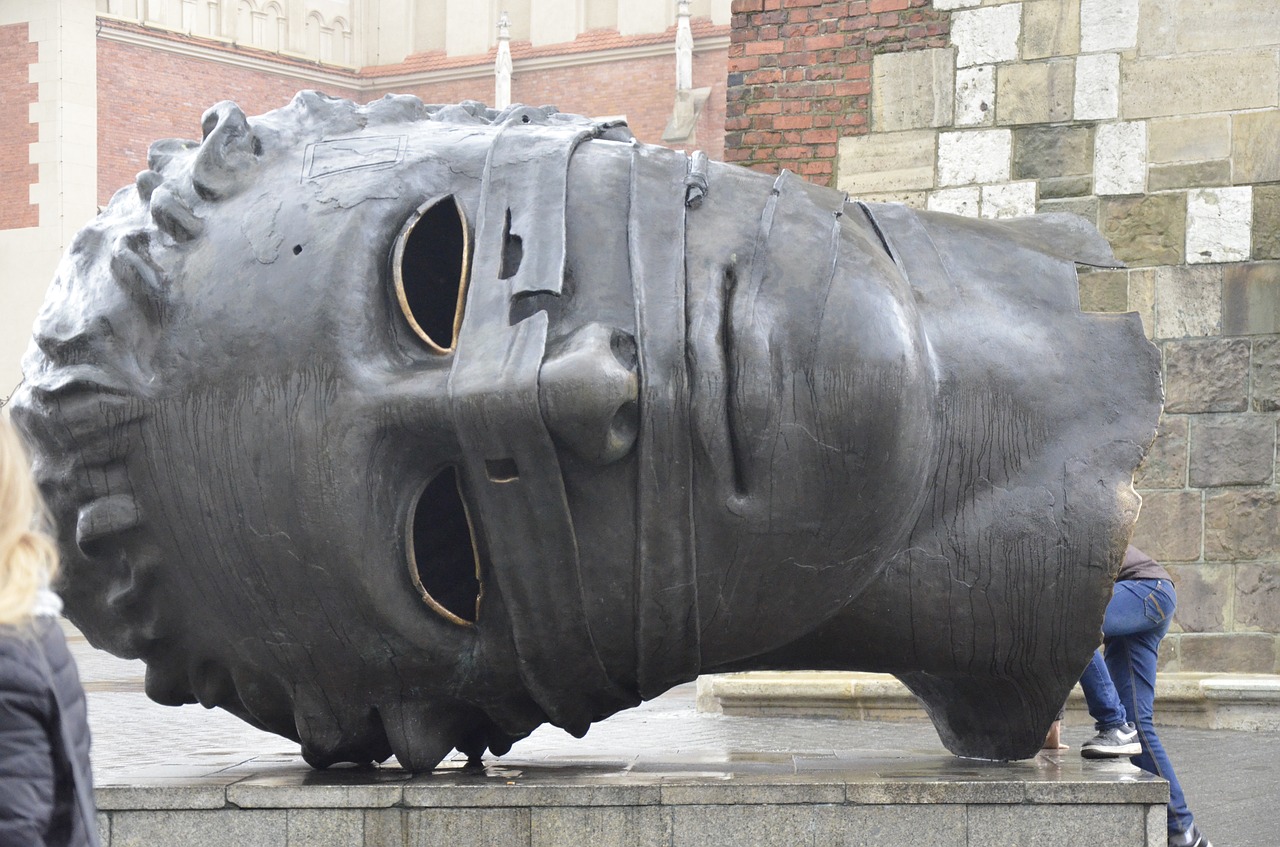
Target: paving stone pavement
1230, 778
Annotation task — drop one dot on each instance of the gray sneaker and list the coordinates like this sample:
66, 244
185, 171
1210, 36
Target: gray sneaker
1191, 838
1113, 743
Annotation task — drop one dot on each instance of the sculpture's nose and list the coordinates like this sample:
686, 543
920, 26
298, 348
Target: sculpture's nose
587, 389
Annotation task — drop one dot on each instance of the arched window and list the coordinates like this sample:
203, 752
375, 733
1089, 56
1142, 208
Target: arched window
342, 52
273, 35
213, 15
312, 34
166, 13
244, 22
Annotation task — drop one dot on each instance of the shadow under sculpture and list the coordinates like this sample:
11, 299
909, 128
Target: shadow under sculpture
402, 428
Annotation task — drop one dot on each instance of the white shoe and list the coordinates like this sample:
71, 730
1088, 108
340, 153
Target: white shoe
1113, 743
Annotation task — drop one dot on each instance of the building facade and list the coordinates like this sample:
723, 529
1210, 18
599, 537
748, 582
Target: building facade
1157, 120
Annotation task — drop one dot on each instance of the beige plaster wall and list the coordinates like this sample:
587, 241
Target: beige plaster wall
65, 154
364, 33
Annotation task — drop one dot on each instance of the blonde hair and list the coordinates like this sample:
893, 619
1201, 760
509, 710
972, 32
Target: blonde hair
28, 557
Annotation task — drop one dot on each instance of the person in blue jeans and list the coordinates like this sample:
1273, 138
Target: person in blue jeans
1120, 682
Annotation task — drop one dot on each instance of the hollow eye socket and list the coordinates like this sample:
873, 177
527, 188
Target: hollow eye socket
443, 562
429, 267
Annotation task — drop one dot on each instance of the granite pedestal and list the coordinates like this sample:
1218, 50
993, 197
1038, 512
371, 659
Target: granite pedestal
835, 797
662, 774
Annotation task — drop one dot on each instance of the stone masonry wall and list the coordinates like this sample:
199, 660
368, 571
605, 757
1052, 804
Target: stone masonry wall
1158, 120
800, 75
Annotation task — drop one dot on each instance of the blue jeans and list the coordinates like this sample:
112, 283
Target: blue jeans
1137, 618
1100, 695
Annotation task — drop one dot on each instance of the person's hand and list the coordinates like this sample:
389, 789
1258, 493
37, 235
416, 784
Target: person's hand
1053, 741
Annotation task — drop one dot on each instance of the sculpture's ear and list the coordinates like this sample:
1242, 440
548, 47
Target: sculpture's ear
1063, 235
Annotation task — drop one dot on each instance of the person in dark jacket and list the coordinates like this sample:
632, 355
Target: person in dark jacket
46, 789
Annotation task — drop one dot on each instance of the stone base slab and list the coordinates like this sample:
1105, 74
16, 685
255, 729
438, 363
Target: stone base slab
1202, 701
863, 798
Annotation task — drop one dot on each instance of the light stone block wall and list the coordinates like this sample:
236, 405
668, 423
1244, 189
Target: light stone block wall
900, 76
1159, 121
66, 156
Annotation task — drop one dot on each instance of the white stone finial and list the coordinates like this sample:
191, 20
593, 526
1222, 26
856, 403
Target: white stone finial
502, 65
684, 47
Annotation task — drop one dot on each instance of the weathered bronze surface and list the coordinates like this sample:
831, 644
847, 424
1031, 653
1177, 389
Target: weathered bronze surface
401, 428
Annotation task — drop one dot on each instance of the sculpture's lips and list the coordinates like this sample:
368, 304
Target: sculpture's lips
74, 380
77, 397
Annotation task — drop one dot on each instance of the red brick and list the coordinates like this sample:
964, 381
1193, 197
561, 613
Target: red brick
17, 133
792, 122
820, 136
801, 30
823, 42
760, 48
853, 88
879, 36
798, 91
763, 77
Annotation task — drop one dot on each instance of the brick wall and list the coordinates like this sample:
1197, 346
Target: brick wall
167, 100
146, 94
1157, 121
800, 75
641, 89
17, 132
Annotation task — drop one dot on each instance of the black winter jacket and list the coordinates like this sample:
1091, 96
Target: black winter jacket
46, 793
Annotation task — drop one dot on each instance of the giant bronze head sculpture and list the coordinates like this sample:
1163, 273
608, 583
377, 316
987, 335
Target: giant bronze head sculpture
401, 428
